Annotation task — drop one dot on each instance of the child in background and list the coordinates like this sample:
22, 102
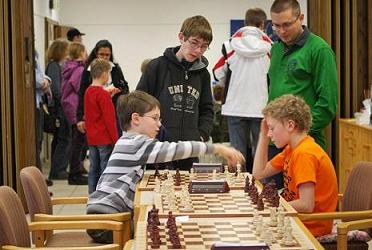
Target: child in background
310, 183
100, 121
71, 76
139, 115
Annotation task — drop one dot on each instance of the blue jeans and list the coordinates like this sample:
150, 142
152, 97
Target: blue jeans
98, 157
242, 132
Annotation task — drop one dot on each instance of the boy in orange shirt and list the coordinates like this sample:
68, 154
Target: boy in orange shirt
310, 183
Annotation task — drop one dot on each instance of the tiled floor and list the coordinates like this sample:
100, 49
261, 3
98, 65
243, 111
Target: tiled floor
62, 189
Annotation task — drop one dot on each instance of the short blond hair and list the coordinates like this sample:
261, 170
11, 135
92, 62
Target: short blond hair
98, 67
75, 50
290, 107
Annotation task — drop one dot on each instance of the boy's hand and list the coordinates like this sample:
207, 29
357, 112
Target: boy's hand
264, 128
112, 90
230, 154
81, 126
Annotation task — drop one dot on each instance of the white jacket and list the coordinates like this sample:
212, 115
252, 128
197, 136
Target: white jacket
248, 57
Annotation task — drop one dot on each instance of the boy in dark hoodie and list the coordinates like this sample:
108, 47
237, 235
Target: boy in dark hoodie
179, 79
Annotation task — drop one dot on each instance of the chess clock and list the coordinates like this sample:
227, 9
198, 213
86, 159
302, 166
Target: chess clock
207, 167
215, 186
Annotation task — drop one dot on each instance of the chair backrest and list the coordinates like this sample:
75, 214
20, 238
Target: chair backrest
36, 191
13, 223
358, 192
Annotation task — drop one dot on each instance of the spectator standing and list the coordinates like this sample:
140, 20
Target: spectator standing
242, 69
71, 76
116, 86
74, 35
179, 79
302, 64
42, 85
100, 121
56, 55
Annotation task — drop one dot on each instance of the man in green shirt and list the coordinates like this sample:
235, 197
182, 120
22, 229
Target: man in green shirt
302, 64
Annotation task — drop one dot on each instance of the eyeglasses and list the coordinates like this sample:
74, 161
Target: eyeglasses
284, 26
155, 118
196, 45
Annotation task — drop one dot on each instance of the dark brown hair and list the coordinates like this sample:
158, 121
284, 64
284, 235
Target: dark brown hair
255, 17
135, 102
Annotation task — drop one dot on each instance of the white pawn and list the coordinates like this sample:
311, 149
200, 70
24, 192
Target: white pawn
226, 170
273, 221
214, 174
192, 174
157, 185
239, 172
288, 237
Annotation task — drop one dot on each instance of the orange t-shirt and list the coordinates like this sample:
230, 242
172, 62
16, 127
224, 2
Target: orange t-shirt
309, 163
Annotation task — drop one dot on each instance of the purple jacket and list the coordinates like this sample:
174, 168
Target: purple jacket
71, 77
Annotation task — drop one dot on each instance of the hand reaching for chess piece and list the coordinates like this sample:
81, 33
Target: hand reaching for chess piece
231, 155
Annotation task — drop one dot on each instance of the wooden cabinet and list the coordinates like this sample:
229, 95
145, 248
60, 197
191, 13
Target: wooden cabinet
355, 145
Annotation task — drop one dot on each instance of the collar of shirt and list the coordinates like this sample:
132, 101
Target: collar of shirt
299, 42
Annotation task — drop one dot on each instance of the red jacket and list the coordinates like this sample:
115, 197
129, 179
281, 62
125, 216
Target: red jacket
100, 119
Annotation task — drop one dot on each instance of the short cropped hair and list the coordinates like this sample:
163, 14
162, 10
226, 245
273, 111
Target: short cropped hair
290, 107
75, 50
282, 5
197, 26
57, 50
255, 17
98, 67
135, 102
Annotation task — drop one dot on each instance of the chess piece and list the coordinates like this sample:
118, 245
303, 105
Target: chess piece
192, 174
177, 179
214, 174
288, 237
157, 174
226, 170
246, 187
157, 185
273, 220
260, 204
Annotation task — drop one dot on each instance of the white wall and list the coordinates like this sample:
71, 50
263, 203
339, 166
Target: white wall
41, 10
144, 28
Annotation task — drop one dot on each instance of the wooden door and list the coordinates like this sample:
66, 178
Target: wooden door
18, 143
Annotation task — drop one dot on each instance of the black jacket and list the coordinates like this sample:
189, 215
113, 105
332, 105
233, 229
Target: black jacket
117, 80
184, 92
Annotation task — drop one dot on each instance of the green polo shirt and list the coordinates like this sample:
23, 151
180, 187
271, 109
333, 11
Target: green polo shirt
307, 69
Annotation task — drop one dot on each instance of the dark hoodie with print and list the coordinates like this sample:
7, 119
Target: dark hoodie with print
184, 92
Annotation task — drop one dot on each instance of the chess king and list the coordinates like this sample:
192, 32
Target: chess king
310, 183
139, 116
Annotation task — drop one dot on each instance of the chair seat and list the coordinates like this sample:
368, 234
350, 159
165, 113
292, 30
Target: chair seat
351, 245
63, 239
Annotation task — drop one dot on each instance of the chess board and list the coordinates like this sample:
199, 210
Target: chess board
234, 203
203, 233
148, 181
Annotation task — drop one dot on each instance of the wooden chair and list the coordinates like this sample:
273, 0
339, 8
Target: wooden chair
356, 204
40, 204
15, 231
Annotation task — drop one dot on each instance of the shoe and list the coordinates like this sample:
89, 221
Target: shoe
78, 180
49, 182
63, 175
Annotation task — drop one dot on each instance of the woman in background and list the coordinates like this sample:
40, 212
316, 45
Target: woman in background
56, 55
117, 84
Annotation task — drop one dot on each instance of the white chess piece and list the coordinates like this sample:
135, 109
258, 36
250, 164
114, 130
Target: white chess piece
273, 220
214, 174
288, 237
192, 174
157, 185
